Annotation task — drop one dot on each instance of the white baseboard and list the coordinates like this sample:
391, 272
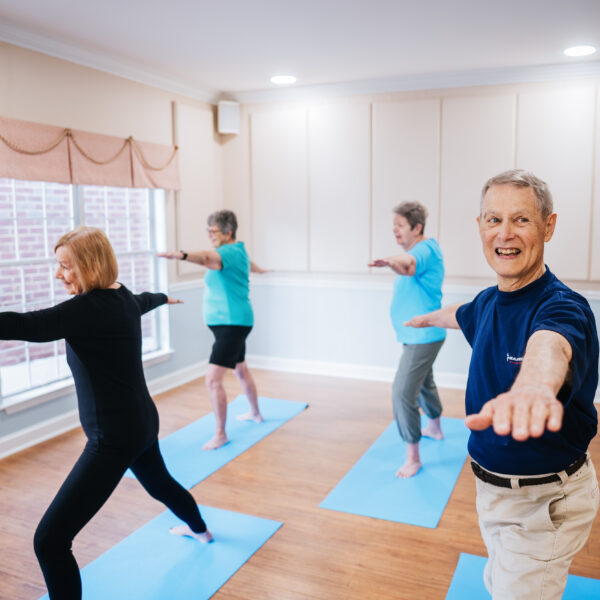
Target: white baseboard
158, 385
40, 432
443, 379
314, 367
350, 371
454, 381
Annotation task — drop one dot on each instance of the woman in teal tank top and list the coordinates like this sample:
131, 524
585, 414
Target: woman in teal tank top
228, 314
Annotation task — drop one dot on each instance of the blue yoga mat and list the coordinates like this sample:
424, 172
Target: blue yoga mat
468, 582
182, 450
372, 489
152, 564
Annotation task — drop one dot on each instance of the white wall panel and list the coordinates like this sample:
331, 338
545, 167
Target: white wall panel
556, 142
406, 138
201, 186
477, 143
280, 189
236, 177
595, 260
339, 188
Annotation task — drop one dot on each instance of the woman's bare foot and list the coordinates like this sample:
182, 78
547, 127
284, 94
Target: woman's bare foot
205, 537
408, 469
216, 442
250, 416
433, 430
412, 464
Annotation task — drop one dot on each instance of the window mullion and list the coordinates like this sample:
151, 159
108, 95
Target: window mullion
23, 308
45, 219
77, 206
152, 235
128, 215
106, 220
14, 201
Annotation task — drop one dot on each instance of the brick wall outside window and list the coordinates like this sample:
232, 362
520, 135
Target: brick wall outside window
33, 216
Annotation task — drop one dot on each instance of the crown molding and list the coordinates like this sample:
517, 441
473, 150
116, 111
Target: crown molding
18, 36
425, 81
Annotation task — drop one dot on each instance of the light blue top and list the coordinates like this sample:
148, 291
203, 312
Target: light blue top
419, 294
226, 293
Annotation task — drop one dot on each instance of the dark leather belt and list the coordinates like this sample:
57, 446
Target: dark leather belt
488, 477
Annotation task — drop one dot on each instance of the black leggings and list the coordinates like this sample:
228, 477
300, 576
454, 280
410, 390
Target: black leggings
87, 487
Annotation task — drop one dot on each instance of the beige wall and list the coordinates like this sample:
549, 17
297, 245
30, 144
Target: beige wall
39, 88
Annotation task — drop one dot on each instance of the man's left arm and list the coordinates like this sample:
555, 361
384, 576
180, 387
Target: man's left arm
531, 405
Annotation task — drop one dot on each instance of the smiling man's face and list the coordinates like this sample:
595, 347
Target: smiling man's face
513, 233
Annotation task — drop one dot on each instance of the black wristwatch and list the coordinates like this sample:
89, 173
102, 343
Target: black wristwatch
185, 255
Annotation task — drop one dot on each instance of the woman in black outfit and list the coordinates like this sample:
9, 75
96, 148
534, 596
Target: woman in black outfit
101, 326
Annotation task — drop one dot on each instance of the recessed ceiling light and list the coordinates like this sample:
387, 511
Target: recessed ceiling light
283, 79
580, 50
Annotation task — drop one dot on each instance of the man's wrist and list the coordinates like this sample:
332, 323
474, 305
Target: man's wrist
535, 387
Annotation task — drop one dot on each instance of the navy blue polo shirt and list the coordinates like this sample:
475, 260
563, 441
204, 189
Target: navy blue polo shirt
498, 325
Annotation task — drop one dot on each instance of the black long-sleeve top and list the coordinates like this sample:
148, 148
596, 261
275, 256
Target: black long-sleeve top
102, 330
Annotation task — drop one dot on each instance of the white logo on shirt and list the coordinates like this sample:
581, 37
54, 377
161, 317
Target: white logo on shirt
513, 360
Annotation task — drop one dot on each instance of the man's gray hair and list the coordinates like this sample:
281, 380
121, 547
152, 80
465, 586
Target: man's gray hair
522, 178
414, 213
225, 220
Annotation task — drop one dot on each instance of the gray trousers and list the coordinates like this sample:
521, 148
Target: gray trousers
414, 387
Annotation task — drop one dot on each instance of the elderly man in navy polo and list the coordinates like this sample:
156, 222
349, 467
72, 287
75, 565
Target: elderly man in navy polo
529, 400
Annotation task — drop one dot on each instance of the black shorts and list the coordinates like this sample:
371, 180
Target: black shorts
229, 348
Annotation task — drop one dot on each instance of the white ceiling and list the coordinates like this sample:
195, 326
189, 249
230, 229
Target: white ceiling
233, 47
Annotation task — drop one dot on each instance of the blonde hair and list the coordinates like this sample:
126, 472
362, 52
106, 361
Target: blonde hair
95, 262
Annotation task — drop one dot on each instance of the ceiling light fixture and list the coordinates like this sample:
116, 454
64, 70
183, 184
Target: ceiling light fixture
580, 50
283, 79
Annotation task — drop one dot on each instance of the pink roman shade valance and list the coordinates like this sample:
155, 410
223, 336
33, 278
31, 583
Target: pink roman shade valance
36, 152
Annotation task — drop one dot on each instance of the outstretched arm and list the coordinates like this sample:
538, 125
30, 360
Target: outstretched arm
44, 325
254, 268
207, 258
148, 301
445, 318
403, 264
531, 405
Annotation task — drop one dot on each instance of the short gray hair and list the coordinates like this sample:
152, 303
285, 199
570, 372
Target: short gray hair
414, 213
225, 220
523, 178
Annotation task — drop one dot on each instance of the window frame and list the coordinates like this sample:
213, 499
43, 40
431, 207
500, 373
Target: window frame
63, 386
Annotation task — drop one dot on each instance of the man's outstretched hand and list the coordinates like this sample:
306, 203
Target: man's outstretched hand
525, 412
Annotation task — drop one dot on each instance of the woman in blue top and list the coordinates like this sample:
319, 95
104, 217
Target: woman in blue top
228, 314
418, 285
102, 330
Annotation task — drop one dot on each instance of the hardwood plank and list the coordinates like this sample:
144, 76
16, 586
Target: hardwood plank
317, 554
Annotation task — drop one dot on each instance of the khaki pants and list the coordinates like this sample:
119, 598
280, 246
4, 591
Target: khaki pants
532, 533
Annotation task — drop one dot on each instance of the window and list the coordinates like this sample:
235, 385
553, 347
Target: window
33, 216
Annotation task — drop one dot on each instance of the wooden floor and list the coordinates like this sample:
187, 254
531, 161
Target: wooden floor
317, 554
